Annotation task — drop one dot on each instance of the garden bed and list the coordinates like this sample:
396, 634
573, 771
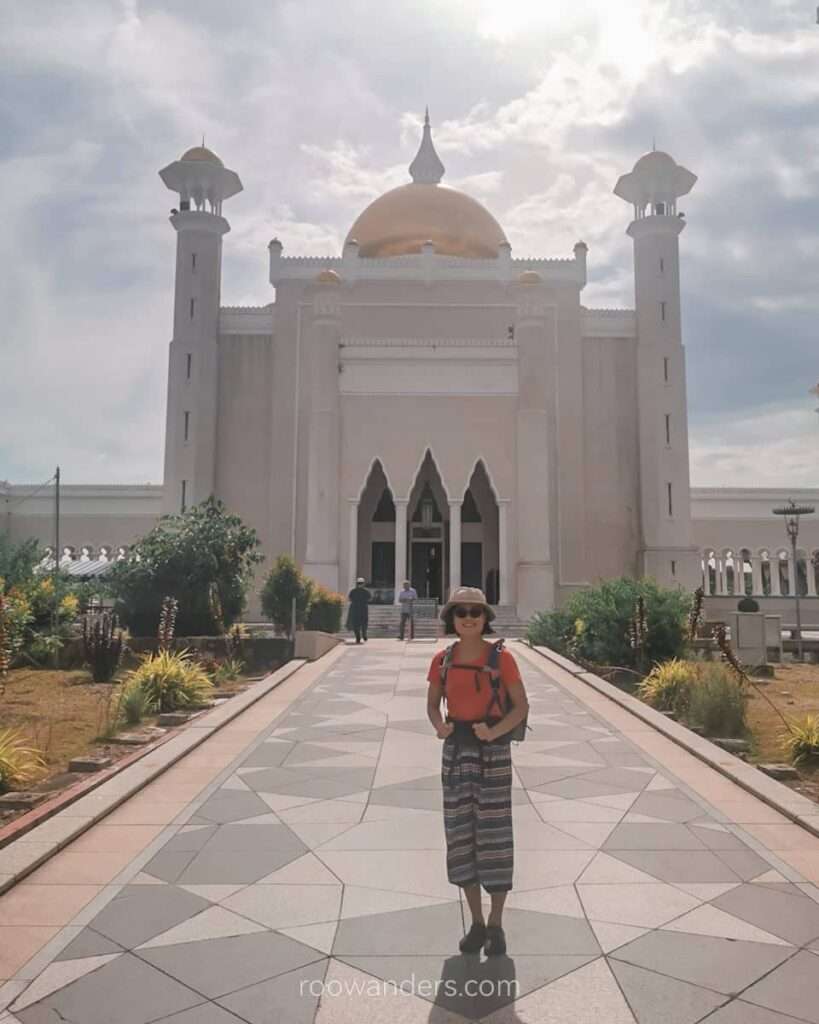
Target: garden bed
795, 692
62, 714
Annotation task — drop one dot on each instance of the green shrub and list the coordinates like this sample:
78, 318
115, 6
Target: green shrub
802, 742
284, 583
325, 610
668, 686
196, 556
595, 623
718, 701
134, 703
171, 681
229, 670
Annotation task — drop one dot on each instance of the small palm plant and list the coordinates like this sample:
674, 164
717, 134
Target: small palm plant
171, 681
668, 686
802, 742
18, 762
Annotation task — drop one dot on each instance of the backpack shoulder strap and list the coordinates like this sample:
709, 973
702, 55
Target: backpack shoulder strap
494, 661
446, 661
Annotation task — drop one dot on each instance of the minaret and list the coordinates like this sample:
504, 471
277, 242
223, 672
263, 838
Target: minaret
202, 182
653, 187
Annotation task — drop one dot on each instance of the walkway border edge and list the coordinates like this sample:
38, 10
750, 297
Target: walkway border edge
16, 861
797, 808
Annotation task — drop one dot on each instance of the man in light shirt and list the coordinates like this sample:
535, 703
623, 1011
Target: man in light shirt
407, 599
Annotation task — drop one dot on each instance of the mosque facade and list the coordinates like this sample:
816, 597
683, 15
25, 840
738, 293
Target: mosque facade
427, 406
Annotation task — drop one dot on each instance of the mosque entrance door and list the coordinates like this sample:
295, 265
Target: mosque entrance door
427, 564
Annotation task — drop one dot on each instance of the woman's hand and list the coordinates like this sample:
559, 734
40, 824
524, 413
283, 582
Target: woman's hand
444, 729
484, 732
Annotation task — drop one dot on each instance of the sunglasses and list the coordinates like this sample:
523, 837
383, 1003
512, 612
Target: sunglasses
473, 611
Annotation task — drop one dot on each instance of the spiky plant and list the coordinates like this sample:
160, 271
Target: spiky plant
802, 741
167, 622
695, 615
102, 644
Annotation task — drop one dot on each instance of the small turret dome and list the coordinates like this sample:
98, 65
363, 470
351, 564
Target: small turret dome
530, 277
202, 153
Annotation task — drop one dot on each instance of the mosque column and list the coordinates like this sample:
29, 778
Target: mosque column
811, 572
503, 551
321, 561
791, 576
400, 544
536, 345
352, 557
455, 544
775, 563
756, 569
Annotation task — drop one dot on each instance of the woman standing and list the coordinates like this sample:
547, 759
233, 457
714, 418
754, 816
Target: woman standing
476, 769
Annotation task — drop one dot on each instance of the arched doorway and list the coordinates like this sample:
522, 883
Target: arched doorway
428, 533
376, 536
479, 535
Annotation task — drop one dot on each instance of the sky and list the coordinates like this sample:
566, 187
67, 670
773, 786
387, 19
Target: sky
537, 107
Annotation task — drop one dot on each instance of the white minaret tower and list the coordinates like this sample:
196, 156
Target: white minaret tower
653, 187
202, 182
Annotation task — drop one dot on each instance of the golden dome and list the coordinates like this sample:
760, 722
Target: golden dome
530, 277
328, 276
402, 220
202, 153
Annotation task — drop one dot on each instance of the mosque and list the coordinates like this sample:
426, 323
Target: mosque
427, 406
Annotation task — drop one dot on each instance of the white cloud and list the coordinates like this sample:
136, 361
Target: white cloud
537, 108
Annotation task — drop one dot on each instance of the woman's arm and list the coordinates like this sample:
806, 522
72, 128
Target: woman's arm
434, 696
518, 711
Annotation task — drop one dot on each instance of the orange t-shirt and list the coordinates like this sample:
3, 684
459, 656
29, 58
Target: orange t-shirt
468, 689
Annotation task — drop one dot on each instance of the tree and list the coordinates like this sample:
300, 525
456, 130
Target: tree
191, 556
284, 583
17, 560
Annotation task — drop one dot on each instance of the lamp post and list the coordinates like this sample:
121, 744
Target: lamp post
791, 513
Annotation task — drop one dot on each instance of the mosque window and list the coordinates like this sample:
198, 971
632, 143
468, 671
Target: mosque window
188, 361
662, 266
670, 500
665, 369
662, 311
667, 429
193, 261
184, 493
193, 304
187, 424
673, 567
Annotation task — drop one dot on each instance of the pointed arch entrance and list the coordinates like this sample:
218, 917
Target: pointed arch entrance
428, 532
480, 554
375, 535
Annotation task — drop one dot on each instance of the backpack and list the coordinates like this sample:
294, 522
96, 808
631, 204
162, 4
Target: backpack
519, 732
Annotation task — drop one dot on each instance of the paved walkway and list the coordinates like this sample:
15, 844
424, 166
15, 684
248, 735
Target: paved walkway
309, 874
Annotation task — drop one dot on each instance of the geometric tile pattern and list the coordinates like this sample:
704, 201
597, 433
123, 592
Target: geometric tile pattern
310, 886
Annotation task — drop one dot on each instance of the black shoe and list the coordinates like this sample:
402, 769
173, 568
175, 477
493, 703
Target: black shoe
495, 944
474, 938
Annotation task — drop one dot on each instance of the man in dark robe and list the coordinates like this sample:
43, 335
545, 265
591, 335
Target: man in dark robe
358, 615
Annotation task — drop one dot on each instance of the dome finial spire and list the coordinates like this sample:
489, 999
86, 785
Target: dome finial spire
426, 168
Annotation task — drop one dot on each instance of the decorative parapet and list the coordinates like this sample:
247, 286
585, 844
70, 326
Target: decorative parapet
425, 266
247, 319
428, 343
608, 323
